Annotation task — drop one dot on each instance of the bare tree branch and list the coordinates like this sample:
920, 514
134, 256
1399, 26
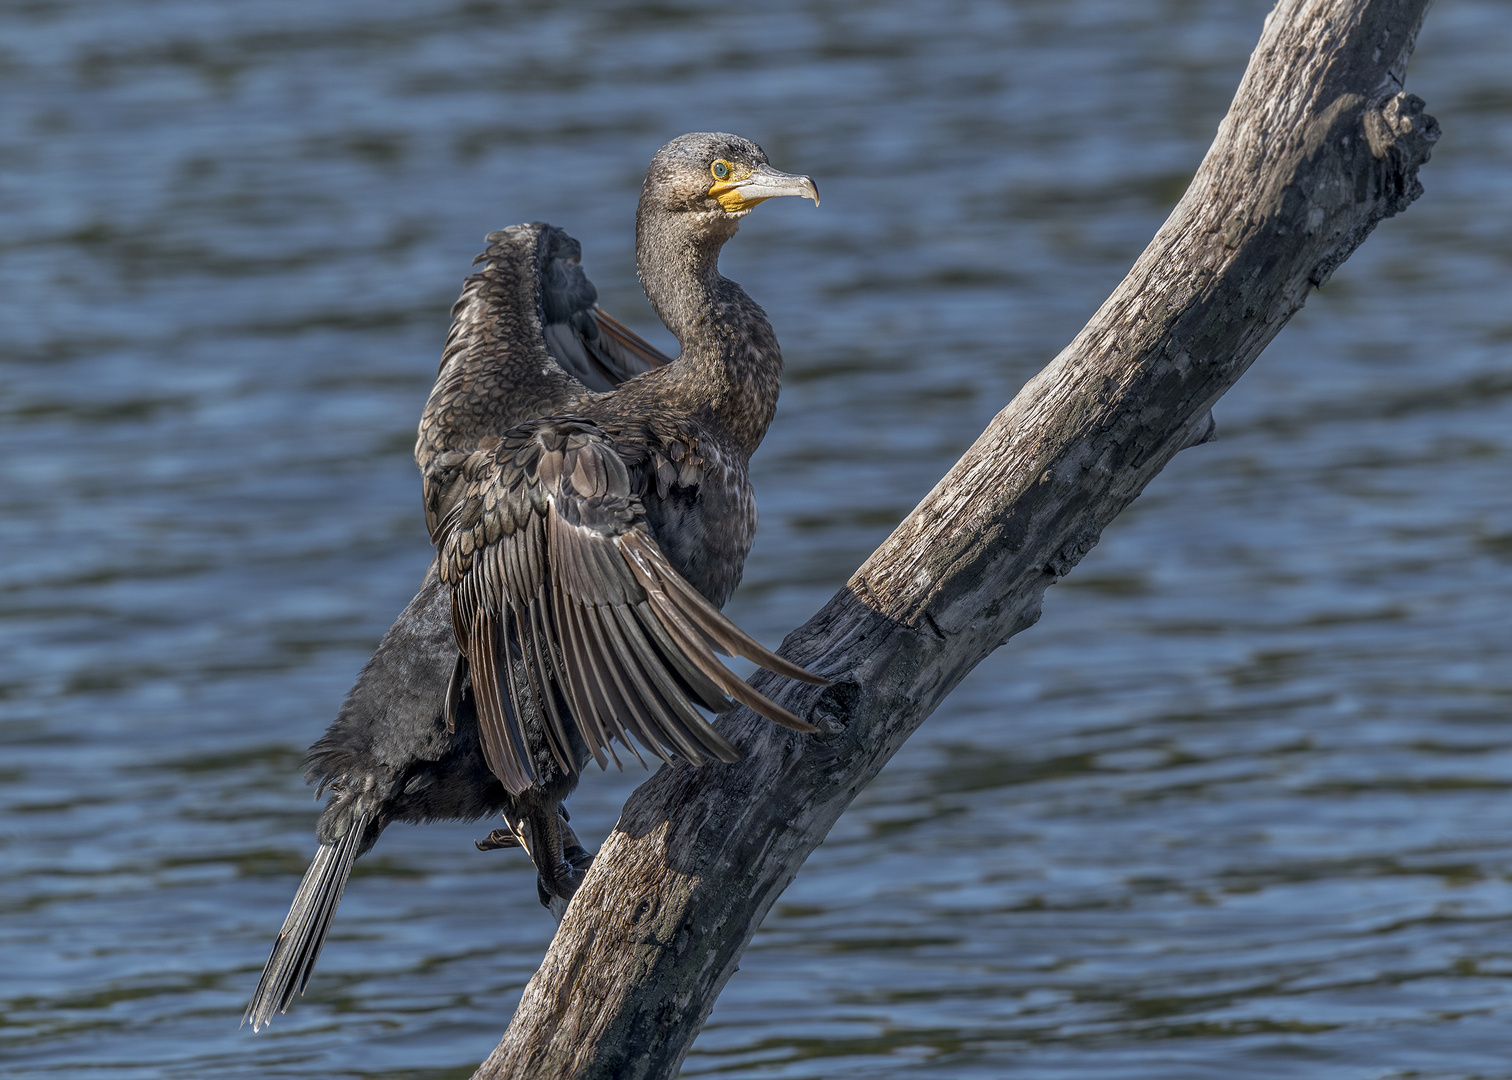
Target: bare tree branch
1318, 146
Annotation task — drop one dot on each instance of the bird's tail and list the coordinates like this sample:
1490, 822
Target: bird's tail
294, 953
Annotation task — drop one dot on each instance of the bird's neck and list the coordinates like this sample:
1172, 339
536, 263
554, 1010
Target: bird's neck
730, 368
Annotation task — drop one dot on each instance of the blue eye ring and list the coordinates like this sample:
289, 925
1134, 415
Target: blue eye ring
720, 169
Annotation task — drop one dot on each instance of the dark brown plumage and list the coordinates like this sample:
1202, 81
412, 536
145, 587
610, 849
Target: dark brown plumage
591, 508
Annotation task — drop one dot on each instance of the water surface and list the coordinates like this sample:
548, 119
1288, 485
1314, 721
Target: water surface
1237, 806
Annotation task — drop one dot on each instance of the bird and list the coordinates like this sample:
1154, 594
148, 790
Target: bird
591, 510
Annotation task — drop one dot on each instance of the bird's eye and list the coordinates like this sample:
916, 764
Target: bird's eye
720, 169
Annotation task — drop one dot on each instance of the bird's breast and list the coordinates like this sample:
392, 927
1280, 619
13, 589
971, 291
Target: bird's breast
706, 529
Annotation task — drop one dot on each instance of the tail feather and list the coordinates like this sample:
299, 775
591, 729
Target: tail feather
304, 930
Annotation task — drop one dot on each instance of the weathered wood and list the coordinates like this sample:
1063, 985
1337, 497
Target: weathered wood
1318, 146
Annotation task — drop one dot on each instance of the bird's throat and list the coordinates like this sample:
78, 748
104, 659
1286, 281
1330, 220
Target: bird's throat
730, 367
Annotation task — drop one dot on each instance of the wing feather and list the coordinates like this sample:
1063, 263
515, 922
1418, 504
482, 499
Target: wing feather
652, 733
647, 715
598, 350
574, 660
607, 691
729, 638
515, 701
493, 717
620, 341
572, 622
666, 694
697, 683
541, 683
454, 692
688, 644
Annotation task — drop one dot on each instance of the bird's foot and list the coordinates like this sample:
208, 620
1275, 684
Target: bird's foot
579, 858
499, 838
567, 875
555, 895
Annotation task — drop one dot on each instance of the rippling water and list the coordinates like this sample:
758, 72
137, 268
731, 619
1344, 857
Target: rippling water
1237, 806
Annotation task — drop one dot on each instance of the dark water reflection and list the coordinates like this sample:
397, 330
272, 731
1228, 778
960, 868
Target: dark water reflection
1236, 807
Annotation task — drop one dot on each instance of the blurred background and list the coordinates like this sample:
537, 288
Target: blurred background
1237, 806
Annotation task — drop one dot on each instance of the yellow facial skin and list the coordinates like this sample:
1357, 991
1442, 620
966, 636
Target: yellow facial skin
726, 188
738, 187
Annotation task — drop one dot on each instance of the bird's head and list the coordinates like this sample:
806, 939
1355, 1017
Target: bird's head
717, 178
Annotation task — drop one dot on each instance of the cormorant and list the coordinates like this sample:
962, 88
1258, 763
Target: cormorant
591, 509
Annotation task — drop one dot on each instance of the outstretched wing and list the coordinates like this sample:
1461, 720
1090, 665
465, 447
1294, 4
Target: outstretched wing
572, 621
590, 345
527, 340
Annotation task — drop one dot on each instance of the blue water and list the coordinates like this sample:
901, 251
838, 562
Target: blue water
1238, 806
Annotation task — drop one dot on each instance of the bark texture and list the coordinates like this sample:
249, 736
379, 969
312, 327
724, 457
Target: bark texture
1318, 146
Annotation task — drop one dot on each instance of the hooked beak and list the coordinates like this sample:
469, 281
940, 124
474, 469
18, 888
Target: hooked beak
760, 184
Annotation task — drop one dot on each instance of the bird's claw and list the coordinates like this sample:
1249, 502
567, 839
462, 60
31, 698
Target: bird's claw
499, 838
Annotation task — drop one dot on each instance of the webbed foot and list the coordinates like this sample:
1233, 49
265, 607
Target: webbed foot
499, 838
561, 860
576, 859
